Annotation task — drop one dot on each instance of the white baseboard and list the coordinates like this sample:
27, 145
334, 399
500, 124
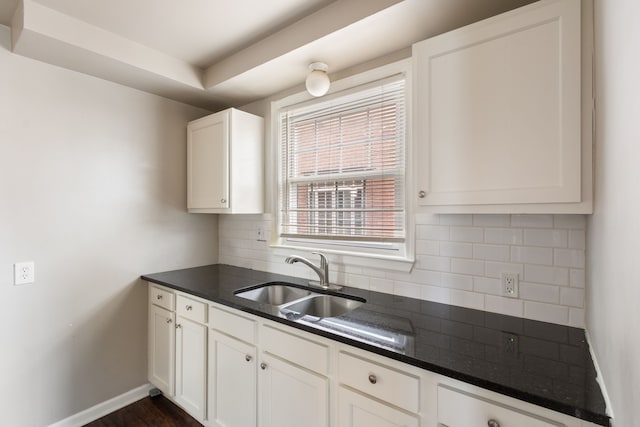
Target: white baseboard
104, 408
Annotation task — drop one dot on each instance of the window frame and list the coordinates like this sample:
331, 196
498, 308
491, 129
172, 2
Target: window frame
394, 256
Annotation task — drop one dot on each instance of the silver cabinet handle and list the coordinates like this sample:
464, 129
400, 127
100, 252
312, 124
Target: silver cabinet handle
263, 366
373, 379
422, 194
248, 358
158, 297
169, 320
493, 423
223, 200
189, 308
178, 326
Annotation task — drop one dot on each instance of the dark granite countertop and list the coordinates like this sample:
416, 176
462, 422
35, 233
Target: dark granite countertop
541, 363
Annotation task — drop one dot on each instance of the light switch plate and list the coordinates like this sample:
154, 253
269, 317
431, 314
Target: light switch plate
24, 273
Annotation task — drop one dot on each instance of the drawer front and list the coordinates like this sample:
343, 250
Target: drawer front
161, 297
296, 349
399, 388
191, 309
232, 324
460, 409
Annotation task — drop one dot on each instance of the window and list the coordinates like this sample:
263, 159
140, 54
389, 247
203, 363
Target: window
342, 167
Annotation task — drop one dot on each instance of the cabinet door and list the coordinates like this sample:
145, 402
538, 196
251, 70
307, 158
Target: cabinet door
290, 396
161, 349
232, 382
208, 162
357, 410
498, 110
191, 366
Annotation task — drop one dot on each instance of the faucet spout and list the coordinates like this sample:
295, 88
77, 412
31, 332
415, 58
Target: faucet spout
322, 270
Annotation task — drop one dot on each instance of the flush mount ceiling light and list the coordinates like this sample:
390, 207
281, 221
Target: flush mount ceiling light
318, 81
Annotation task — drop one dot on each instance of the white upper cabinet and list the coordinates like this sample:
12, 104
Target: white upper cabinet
225, 163
499, 120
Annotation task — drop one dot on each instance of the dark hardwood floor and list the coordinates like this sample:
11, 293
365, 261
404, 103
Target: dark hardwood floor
148, 412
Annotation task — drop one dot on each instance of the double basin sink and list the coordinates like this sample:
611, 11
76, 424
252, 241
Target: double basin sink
294, 301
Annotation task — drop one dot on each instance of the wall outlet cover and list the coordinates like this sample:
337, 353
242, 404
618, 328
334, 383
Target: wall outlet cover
510, 285
24, 273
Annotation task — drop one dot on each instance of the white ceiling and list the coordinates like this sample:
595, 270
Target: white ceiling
218, 53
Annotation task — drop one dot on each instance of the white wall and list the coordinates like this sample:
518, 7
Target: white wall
92, 188
613, 288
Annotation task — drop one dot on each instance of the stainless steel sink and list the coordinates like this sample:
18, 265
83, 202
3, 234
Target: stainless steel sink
274, 294
323, 306
296, 302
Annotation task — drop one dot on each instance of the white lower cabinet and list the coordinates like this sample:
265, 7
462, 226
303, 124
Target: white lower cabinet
233, 369
191, 367
290, 396
232, 385
359, 410
161, 348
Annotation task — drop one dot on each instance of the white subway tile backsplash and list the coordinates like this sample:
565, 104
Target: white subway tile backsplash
486, 285
466, 299
459, 261
548, 275
577, 239
507, 236
508, 306
457, 281
491, 220
546, 238
540, 293
429, 262
491, 252
532, 255
576, 278
467, 234
432, 232
467, 266
381, 285
436, 293
576, 317
456, 249
573, 297
427, 247
569, 257
571, 222
495, 269
546, 312
407, 289
456, 219
532, 221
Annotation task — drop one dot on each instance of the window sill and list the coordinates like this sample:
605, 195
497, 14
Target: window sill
349, 258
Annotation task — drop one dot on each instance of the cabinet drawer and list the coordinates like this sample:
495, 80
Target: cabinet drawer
399, 388
191, 309
161, 297
296, 349
460, 409
232, 324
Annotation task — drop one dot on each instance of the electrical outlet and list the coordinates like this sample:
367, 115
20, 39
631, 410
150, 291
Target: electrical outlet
24, 273
510, 285
261, 235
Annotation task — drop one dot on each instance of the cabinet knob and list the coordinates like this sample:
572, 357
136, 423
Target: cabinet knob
178, 326
189, 308
223, 200
169, 320
158, 297
493, 423
248, 358
263, 366
373, 379
422, 194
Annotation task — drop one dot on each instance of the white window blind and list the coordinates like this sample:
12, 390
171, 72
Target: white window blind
343, 166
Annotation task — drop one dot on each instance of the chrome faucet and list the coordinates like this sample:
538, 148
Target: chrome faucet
322, 271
